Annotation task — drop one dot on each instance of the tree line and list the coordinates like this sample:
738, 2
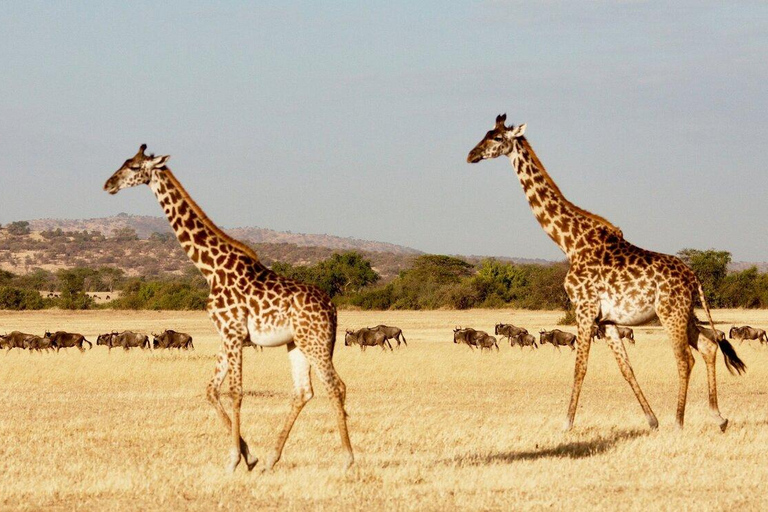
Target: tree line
431, 282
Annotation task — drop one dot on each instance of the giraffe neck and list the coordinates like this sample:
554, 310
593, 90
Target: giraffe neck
209, 248
564, 222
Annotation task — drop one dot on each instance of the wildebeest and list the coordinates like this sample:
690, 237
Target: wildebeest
248, 343
366, 337
468, 336
63, 339
509, 331
558, 338
523, 340
38, 343
392, 333
172, 339
14, 339
487, 342
625, 333
747, 333
125, 339
715, 336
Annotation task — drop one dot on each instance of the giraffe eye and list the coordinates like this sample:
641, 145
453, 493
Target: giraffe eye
134, 167
498, 138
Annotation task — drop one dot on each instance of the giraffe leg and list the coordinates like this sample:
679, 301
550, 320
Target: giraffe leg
708, 351
585, 317
213, 394
302, 393
337, 391
620, 352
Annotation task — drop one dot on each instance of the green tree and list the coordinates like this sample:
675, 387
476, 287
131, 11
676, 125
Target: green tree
124, 234
72, 283
18, 228
710, 267
19, 299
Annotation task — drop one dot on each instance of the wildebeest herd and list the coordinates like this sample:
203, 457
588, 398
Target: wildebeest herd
522, 338
126, 340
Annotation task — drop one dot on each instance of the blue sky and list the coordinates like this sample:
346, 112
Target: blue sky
355, 120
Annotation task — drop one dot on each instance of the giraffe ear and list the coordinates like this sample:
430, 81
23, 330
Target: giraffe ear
160, 160
518, 131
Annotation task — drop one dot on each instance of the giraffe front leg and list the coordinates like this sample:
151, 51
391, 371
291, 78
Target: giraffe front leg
585, 317
622, 359
302, 393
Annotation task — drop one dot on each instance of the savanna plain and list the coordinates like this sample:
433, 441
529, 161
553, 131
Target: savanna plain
435, 426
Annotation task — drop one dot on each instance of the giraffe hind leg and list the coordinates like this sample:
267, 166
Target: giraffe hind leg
302, 393
708, 351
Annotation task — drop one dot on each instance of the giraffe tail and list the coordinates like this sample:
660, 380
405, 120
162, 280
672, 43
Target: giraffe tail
732, 361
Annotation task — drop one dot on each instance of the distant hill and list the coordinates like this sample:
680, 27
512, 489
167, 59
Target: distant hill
146, 225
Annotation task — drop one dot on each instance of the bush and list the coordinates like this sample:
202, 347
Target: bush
20, 299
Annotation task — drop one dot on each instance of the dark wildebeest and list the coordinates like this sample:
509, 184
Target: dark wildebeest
248, 343
366, 337
172, 339
487, 342
509, 331
125, 339
63, 339
747, 333
38, 343
15, 339
523, 340
468, 336
558, 338
598, 331
392, 333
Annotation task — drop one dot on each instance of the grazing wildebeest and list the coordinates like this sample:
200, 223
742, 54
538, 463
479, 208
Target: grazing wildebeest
468, 336
366, 337
172, 339
38, 343
625, 333
487, 342
523, 340
14, 339
125, 339
249, 343
509, 331
747, 333
392, 333
558, 338
63, 339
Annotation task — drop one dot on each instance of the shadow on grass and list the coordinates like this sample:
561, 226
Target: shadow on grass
572, 450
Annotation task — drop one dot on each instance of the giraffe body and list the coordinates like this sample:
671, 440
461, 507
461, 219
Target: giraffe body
247, 301
611, 281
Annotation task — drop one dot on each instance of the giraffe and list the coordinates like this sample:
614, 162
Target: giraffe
247, 302
611, 281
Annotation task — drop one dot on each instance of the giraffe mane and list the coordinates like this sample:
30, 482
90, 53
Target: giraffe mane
205, 220
556, 189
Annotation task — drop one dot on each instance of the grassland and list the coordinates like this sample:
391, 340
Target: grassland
435, 426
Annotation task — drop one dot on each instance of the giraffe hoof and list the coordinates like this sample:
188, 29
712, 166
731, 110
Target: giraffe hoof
350, 462
723, 425
251, 463
270, 462
653, 423
567, 426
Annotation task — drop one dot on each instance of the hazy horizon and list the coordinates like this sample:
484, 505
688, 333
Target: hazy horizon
355, 121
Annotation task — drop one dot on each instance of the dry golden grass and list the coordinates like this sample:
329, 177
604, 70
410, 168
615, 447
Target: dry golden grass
435, 426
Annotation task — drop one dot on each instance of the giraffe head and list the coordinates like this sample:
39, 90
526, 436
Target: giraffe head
137, 170
496, 142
